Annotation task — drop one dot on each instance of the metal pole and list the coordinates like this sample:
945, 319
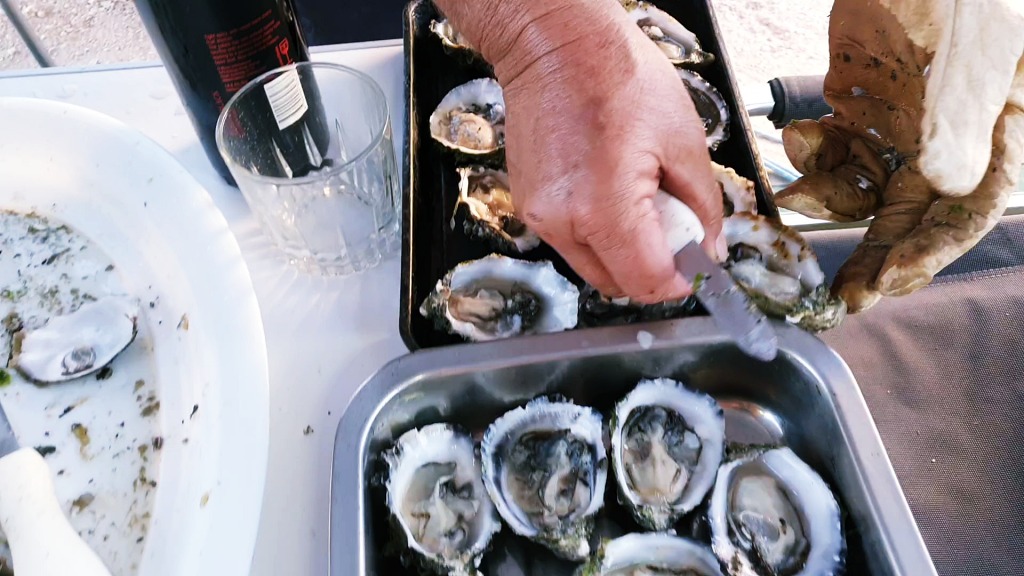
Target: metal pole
27, 36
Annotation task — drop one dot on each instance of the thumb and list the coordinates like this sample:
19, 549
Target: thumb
692, 180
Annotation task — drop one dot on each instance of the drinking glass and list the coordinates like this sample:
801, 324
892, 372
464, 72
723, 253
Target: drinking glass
310, 148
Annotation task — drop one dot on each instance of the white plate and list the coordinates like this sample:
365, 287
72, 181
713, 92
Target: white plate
172, 247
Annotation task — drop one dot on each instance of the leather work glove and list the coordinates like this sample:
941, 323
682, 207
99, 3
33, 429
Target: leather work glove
927, 136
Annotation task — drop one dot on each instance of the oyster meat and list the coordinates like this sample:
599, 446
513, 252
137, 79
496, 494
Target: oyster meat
500, 297
76, 344
778, 269
667, 444
545, 468
677, 43
772, 515
471, 118
487, 196
711, 106
438, 504
651, 555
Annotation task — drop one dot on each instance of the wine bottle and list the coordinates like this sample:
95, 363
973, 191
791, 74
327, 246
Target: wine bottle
213, 48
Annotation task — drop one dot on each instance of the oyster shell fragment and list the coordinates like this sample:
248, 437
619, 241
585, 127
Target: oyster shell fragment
500, 297
737, 192
545, 468
667, 443
449, 36
778, 269
471, 118
772, 514
678, 44
76, 344
711, 107
487, 195
437, 500
651, 554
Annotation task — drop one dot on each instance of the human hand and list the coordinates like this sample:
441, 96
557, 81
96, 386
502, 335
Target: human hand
597, 121
927, 136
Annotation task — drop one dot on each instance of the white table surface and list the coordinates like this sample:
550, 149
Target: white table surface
324, 336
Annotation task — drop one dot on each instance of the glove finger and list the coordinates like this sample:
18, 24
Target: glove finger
812, 146
849, 192
954, 225
907, 199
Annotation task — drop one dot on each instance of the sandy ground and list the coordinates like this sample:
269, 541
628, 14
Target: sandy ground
764, 38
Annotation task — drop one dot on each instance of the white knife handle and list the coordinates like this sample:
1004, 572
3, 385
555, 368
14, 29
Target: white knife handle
680, 224
42, 541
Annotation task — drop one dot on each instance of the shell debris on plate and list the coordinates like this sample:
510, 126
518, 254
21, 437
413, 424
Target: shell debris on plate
77, 382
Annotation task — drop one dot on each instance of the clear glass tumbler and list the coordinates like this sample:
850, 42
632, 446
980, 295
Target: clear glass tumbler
310, 148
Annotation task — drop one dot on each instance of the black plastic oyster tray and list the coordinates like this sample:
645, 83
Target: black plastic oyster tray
431, 244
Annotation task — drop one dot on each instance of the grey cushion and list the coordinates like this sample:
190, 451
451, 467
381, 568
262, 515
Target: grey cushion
943, 373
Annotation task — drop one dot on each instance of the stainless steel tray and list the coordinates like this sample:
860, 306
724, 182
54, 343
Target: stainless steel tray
807, 398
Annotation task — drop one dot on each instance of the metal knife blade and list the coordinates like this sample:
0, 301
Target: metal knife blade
728, 304
8, 442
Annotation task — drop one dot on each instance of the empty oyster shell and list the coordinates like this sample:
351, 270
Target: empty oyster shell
76, 344
545, 468
771, 513
711, 106
677, 43
667, 443
437, 500
471, 118
778, 269
486, 194
499, 297
651, 555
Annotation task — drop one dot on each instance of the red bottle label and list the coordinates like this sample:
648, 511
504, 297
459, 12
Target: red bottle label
247, 51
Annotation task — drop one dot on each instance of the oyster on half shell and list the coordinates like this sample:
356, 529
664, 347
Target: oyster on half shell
487, 196
76, 344
678, 44
438, 504
667, 443
500, 297
471, 118
778, 269
711, 106
772, 515
545, 468
651, 554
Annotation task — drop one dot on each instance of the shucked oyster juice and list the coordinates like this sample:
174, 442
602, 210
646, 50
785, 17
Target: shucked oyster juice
334, 210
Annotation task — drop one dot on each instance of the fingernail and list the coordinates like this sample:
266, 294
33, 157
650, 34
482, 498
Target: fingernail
723, 247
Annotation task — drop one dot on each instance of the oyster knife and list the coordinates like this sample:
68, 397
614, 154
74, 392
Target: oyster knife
728, 304
41, 539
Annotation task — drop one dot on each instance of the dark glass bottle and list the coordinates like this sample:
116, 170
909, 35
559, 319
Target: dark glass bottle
212, 48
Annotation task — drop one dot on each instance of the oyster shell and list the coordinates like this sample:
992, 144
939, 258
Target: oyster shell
545, 468
76, 344
500, 297
471, 118
771, 513
449, 36
486, 194
437, 500
711, 106
777, 268
667, 443
597, 309
737, 192
651, 555
678, 44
